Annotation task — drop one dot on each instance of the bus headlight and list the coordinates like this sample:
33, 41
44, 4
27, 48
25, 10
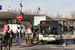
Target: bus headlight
40, 36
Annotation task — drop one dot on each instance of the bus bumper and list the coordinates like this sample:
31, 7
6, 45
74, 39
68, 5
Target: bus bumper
49, 39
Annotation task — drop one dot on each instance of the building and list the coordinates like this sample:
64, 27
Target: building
9, 17
71, 21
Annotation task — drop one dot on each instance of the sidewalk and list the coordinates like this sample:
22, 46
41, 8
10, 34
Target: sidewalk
22, 44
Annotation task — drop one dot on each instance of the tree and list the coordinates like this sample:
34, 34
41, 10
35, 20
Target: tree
72, 13
58, 15
51, 15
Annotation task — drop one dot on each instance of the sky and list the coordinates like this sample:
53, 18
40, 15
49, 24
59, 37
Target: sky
63, 7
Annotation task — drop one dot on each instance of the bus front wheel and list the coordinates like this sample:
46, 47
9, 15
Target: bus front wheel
43, 42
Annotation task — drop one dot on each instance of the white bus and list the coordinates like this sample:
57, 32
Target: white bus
50, 30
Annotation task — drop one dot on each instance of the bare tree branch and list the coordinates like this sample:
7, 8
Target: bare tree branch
58, 15
72, 13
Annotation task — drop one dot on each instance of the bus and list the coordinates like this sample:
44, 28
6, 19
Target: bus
50, 30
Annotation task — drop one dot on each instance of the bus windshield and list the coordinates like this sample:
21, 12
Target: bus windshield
49, 29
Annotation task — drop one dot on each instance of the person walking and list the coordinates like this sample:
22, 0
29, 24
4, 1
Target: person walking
17, 36
6, 37
34, 34
21, 34
11, 37
12, 33
26, 35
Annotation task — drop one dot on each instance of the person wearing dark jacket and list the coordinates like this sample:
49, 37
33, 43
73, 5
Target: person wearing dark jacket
12, 33
11, 36
6, 38
34, 34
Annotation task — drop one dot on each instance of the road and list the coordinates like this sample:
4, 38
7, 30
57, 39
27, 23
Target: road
51, 45
48, 46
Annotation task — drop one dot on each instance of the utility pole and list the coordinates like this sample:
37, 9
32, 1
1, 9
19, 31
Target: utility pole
21, 6
20, 20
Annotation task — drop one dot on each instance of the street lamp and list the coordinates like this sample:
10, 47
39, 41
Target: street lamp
21, 9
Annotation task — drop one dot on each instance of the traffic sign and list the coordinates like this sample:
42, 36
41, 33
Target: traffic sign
0, 7
19, 17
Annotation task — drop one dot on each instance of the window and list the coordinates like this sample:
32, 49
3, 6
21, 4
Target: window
48, 30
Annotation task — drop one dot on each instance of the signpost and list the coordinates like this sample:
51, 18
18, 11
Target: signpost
19, 17
0, 7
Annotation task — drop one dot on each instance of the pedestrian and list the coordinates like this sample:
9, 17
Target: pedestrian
12, 33
26, 35
32, 29
17, 36
6, 37
34, 34
11, 37
20, 34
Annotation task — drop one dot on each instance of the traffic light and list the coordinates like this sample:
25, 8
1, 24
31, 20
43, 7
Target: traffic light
18, 22
22, 15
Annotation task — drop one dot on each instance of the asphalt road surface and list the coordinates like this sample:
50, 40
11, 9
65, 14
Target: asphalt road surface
48, 46
52, 45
